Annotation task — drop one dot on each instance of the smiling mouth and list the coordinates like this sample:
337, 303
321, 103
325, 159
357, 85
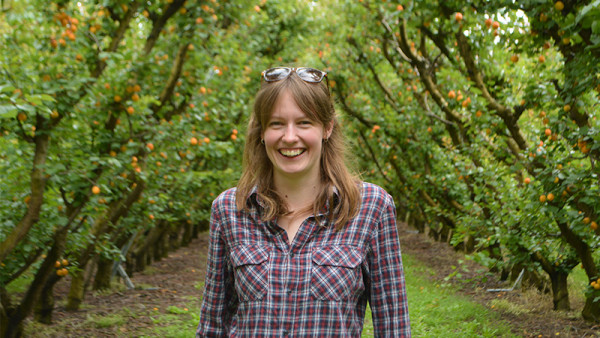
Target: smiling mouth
292, 152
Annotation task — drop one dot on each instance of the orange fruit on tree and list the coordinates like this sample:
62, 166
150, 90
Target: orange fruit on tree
567, 108
96, 190
135, 97
150, 146
542, 59
488, 22
495, 25
542, 198
593, 225
57, 264
550, 197
117, 98
514, 58
130, 110
194, 141
64, 262
548, 132
586, 220
21, 116
451, 94
458, 17
527, 180
559, 5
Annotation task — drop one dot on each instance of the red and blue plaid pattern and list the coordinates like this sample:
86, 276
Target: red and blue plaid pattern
259, 285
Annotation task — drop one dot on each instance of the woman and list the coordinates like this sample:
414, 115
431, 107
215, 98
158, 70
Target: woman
301, 245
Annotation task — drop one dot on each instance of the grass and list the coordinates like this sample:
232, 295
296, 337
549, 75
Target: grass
437, 311
176, 322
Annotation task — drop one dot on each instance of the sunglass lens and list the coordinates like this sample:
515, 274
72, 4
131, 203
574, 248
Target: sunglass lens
276, 74
310, 74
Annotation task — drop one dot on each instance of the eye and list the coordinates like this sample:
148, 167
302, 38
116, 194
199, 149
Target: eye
274, 123
306, 122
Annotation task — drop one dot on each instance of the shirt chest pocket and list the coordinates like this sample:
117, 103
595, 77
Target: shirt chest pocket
336, 273
250, 263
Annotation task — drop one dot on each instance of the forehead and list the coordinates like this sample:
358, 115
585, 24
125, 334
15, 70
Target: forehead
286, 106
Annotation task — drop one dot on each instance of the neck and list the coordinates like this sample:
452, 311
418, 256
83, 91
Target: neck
298, 194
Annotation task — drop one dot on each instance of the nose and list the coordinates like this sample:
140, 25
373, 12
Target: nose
290, 133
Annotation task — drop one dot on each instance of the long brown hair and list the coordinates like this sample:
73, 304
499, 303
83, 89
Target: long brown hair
315, 101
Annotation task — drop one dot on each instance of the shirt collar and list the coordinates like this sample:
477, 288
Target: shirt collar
254, 200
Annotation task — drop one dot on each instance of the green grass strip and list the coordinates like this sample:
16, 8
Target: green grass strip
436, 310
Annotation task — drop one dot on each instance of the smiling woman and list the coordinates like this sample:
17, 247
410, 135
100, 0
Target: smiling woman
293, 143
301, 245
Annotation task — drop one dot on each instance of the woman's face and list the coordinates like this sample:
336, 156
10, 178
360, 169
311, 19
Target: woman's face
293, 142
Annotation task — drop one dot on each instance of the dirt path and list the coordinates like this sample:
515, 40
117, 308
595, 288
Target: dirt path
174, 282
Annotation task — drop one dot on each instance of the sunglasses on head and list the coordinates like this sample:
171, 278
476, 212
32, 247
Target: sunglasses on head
306, 74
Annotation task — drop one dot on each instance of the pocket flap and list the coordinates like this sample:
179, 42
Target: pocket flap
248, 254
339, 255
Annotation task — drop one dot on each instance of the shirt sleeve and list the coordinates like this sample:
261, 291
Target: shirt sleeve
219, 301
387, 297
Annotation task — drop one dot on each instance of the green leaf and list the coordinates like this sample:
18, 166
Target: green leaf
7, 88
8, 111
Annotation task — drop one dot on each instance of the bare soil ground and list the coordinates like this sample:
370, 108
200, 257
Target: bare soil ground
174, 282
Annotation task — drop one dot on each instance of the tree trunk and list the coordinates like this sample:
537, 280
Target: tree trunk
174, 240
186, 237
591, 309
76, 292
45, 305
103, 274
38, 185
140, 261
195, 231
560, 292
5, 308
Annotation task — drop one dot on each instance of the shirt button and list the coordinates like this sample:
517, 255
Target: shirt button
286, 332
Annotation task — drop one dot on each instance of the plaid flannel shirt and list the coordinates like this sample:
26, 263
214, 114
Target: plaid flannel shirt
259, 285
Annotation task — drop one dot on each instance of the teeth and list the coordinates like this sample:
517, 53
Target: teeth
291, 153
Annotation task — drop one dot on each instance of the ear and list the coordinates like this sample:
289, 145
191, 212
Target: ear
328, 129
